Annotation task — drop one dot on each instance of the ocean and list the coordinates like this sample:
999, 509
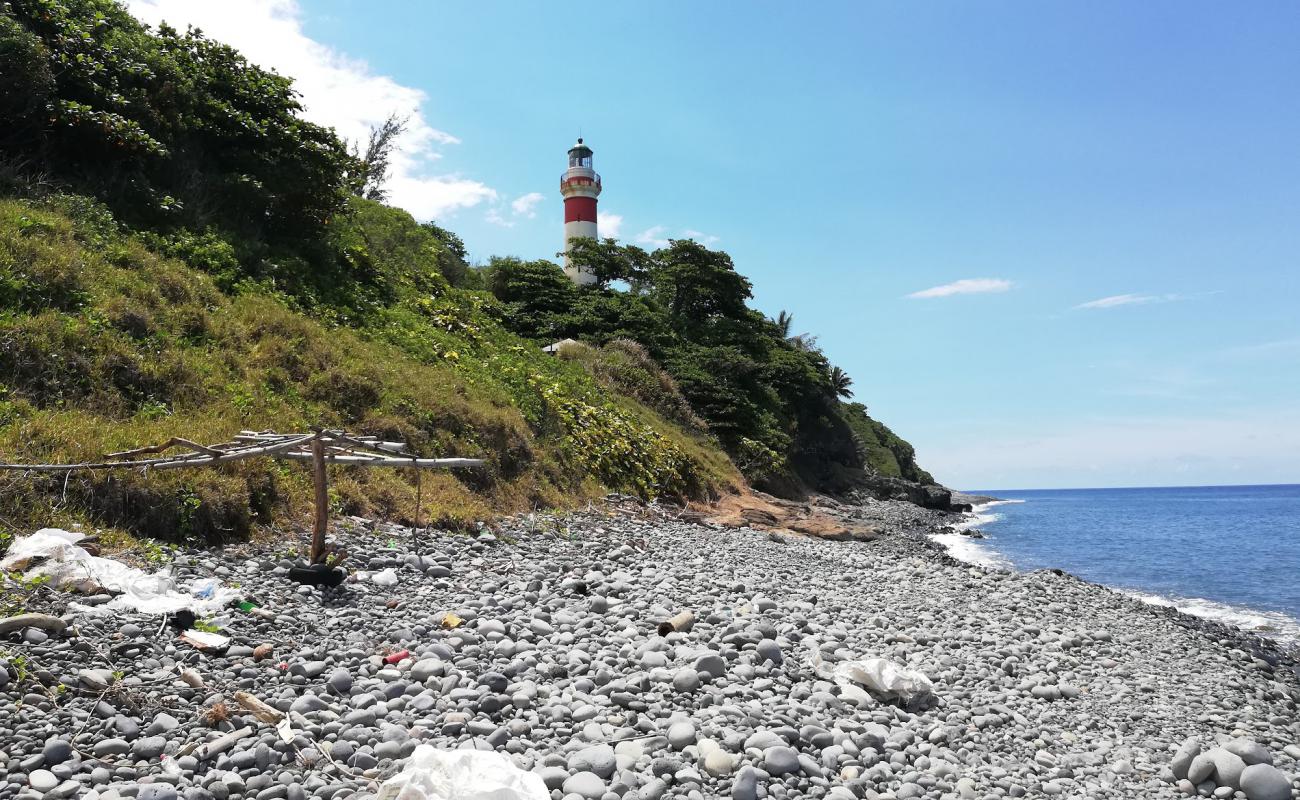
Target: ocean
1229, 553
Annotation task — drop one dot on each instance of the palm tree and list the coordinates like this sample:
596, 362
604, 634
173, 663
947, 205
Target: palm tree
840, 382
783, 322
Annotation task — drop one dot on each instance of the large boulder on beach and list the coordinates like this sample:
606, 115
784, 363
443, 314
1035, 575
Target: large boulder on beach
1227, 767
1188, 750
1249, 751
1265, 782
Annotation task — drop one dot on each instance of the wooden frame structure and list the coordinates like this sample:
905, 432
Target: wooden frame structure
322, 447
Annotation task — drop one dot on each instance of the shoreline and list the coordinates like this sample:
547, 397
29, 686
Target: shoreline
1043, 684
976, 552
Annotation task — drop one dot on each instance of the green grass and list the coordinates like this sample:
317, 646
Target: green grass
106, 345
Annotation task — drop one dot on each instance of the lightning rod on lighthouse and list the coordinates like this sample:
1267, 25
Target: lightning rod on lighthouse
580, 186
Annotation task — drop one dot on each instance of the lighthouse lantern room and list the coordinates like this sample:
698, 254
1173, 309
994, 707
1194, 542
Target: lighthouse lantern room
580, 186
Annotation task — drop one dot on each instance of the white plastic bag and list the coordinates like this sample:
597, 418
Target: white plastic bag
71, 566
386, 578
433, 774
884, 679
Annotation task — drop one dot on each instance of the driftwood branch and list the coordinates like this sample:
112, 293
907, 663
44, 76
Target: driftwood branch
175, 441
43, 621
389, 461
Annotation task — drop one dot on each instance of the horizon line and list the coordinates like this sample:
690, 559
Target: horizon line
984, 492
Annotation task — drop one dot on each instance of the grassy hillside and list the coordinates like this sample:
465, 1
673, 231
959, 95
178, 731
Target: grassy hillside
105, 345
182, 254
884, 452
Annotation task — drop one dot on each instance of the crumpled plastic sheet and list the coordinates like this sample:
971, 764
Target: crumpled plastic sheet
70, 566
433, 774
883, 679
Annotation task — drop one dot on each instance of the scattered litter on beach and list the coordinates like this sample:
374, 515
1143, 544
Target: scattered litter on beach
55, 553
434, 774
885, 680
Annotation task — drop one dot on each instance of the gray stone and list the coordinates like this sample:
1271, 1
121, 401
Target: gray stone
162, 723
156, 791
340, 682
686, 680
425, 668
1265, 782
1188, 750
307, 704
1201, 768
1227, 767
56, 751
681, 734
553, 777
42, 780
598, 759
769, 650
711, 664
745, 786
148, 748
111, 747
780, 760
1249, 751
587, 785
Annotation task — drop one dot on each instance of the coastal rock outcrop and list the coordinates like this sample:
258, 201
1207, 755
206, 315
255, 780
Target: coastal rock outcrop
931, 496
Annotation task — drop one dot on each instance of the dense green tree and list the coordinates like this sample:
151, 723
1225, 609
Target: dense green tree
608, 261
537, 294
166, 128
696, 284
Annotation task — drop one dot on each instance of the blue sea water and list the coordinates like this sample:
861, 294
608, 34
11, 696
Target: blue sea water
1231, 553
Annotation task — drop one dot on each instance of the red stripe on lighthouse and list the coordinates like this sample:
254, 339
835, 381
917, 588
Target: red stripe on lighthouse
579, 209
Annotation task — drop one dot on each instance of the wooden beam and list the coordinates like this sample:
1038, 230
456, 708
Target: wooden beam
388, 461
174, 462
321, 523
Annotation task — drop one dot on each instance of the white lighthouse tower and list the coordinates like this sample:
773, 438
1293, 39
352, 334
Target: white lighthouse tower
580, 186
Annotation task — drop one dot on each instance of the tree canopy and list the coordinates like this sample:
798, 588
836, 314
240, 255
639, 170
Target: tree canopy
772, 399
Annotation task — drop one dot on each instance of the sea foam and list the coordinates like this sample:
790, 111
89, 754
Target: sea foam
1271, 624
1275, 625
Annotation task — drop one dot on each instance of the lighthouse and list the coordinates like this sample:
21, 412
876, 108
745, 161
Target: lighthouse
580, 186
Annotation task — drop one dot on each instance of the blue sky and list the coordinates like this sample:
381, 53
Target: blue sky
1110, 192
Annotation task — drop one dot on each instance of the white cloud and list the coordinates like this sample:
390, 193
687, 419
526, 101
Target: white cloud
493, 216
706, 239
1130, 300
526, 205
610, 225
964, 286
337, 91
653, 236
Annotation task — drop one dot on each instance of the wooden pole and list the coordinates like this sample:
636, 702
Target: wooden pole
322, 502
415, 529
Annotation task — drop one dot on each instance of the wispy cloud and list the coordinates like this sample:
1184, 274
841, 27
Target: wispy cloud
1280, 348
338, 91
653, 236
964, 286
1116, 300
706, 239
526, 205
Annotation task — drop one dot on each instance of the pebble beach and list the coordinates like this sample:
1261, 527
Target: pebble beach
542, 641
